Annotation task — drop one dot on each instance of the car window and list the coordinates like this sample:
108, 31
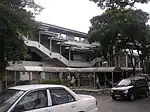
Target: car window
60, 96
8, 98
125, 82
33, 100
141, 82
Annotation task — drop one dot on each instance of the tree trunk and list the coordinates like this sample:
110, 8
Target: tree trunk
3, 79
133, 64
134, 70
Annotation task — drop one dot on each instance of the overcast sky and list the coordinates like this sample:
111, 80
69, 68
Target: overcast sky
72, 14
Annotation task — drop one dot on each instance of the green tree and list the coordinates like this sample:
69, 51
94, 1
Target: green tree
16, 18
121, 30
117, 3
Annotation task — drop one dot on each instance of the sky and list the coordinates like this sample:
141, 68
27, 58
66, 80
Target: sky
72, 14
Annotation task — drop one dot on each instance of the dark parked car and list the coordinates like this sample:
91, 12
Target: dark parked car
130, 88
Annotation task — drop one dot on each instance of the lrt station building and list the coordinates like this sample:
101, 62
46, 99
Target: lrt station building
58, 54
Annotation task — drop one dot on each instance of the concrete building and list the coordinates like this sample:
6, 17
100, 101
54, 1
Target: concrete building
59, 53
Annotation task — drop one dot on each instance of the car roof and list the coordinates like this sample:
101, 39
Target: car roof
34, 87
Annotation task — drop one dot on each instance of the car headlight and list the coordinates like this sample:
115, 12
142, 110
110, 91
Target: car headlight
111, 91
126, 91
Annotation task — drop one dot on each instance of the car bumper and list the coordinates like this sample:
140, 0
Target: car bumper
121, 96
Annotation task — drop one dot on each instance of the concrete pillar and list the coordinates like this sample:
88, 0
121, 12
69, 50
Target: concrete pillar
39, 37
78, 75
139, 64
30, 76
79, 39
60, 77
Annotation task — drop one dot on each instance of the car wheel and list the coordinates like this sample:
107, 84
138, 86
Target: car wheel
132, 97
146, 94
114, 98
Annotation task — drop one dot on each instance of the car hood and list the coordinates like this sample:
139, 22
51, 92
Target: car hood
122, 88
83, 96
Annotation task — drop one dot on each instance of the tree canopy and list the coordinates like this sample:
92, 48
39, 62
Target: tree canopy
117, 3
16, 18
118, 30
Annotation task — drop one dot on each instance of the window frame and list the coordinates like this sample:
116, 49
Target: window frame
60, 88
28, 92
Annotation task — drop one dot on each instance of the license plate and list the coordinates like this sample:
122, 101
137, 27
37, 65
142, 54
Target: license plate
117, 95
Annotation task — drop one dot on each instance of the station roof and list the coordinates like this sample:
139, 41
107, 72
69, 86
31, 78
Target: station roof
62, 30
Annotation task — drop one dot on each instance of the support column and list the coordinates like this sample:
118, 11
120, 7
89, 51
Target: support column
60, 76
79, 39
94, 80
50, 45
30, 77
112, 79
39, 37
139, 64
78, 80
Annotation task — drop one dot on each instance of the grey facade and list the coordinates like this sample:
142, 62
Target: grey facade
59, 53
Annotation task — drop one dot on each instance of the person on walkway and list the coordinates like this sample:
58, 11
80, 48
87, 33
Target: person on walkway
97, 83
72, 83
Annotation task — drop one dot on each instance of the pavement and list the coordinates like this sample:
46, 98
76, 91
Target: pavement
106, 104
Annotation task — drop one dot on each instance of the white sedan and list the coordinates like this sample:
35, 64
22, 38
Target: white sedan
45, 98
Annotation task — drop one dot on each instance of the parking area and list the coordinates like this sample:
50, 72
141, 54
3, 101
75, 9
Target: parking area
106, 104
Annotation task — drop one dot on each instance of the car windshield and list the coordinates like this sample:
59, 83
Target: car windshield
8, 97
124, 82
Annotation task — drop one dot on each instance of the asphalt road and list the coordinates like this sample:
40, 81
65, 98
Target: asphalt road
106, 104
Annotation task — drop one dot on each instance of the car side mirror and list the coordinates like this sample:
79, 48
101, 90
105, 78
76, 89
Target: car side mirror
19, 108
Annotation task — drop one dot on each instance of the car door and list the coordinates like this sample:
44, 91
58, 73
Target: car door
62, 101
137, 88
144, 87
35, 101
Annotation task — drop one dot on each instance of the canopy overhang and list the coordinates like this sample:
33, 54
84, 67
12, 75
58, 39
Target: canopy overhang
63, 69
